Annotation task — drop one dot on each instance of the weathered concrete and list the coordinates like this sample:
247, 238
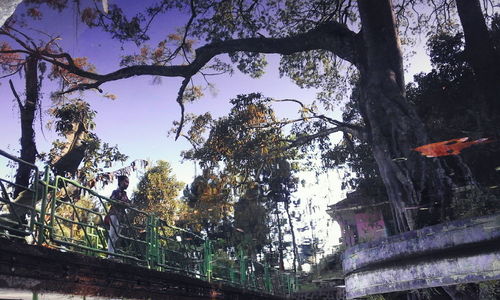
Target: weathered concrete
451, 253
7, 8
424, 274
330, 293
442, 237
42, 269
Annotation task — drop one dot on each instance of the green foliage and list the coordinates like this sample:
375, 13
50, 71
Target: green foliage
157, 193
244, 141
244, 155
251, 219
77, 111
209, 203
317, 69
252, 64
449, 103
445, 97
75, 121
76, 211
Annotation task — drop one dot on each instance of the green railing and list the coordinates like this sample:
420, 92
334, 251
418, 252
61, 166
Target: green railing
66, 215
18, 215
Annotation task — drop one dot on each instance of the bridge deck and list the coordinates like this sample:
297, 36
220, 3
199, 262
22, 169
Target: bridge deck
42, 269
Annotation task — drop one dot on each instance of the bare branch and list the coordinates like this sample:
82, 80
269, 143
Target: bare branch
28, 39
291, 100
14, 51
358, 131
180, 95
191, 141
302, 140
13, 73
184, 37
18, 40
21, 107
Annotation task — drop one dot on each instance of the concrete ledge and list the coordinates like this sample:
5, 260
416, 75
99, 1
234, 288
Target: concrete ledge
451, 253
425, 241
41, 269
431, 273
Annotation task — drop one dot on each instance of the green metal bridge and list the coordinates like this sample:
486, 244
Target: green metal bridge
51, 214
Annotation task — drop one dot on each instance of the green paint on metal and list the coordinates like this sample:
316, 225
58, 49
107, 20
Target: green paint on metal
207, 260
62, 221
243, 268
153, 256
232, 275
41, 226
268, 284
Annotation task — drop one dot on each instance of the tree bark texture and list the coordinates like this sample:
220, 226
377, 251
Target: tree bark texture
483, 57
27, 113
394, 126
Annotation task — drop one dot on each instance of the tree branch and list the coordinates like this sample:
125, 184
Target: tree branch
302, 140
180, 95
357, 131
13, 73
15, 51
191, 141
21, 106
185, 35
330, 36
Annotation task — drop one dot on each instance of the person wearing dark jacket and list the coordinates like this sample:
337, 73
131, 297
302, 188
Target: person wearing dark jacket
117, 213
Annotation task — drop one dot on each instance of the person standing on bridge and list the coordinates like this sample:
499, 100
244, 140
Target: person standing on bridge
117, 213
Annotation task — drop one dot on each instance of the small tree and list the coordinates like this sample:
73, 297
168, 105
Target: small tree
209, 204
157, 192
81, 154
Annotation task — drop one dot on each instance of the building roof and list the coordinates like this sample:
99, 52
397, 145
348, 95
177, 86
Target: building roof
355, 201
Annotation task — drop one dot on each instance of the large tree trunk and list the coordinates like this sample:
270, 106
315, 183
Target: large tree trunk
394, 127
484, 59
27, 112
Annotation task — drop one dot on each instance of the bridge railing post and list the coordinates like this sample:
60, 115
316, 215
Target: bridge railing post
13, 222
267, 279
232, 275
243, 268
41, 222
207, 260
252, 275
152, 242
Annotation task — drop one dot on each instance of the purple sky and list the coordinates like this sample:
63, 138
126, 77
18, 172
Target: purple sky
138, 121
